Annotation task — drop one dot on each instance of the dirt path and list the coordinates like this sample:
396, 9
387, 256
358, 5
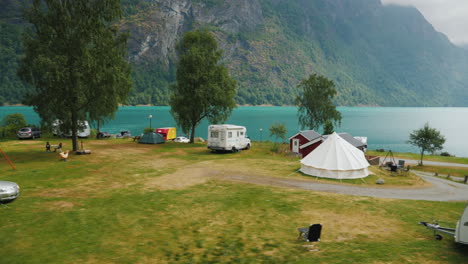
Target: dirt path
441, 190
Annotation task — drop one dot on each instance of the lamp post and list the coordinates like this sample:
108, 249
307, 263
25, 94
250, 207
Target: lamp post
150, 117
261, 130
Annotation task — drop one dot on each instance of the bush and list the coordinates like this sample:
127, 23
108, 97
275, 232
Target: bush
445, 154
275, 148
2, 132
94, 132
380, 150
12, 123
148, 130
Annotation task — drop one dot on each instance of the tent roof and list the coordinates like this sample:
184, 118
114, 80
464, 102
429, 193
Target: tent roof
336, 154
151, 138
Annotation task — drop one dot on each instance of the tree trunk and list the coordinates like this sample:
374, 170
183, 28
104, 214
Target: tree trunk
74, 132
422, 154
192, 135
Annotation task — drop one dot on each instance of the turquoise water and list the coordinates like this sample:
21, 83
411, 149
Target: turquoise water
385, 127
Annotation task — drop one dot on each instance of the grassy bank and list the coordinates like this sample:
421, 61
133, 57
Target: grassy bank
170, 203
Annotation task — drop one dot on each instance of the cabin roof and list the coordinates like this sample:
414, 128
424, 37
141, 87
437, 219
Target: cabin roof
355, 142
308, 134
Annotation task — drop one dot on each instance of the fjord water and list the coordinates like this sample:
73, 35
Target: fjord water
385, 127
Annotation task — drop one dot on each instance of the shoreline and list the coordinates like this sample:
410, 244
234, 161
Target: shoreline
270, 105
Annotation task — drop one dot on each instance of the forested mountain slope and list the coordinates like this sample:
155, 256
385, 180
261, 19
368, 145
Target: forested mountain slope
377, 55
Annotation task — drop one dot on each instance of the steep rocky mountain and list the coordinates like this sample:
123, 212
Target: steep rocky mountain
377, 55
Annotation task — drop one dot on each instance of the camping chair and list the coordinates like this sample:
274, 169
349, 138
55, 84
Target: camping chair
406, 171
311, 233
401, 164
59, 147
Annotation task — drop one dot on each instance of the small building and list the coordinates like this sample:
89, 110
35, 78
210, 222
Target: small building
305, 142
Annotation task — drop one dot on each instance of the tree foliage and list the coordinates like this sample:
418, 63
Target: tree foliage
12, 123
204, 88
315, 102
427, 139
278, 130
328, 128
75, 59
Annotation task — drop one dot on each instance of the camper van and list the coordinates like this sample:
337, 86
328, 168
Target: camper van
84, 132
227, 138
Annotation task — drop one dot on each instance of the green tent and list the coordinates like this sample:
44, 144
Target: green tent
151, 138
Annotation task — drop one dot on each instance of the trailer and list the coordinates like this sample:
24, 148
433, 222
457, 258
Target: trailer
227, 138
168, 133
460, 232
84, 129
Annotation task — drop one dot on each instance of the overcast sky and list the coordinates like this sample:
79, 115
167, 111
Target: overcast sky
447, 16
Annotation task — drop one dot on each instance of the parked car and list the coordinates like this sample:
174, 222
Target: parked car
124, 134
28, 132
9, 191
103, 135
182, 140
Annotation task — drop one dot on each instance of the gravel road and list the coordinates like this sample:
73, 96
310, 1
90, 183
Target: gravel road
432, 163
441, 190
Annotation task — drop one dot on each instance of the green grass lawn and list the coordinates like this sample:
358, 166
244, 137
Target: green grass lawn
136, 203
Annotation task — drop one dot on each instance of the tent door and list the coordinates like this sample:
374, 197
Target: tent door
295, 145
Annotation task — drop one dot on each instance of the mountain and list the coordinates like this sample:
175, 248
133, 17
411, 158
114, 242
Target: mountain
375, 54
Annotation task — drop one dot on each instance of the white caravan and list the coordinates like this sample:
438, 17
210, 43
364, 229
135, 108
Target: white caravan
227, 138
84, 132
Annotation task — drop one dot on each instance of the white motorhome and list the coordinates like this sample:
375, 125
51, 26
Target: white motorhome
227, 138
83, 132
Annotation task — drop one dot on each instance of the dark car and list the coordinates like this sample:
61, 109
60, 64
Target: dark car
103, 135
29, 132
9, 191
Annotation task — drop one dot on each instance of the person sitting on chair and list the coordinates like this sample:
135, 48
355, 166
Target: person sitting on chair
47, 146
59, 147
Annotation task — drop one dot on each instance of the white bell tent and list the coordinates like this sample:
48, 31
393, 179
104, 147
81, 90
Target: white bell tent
337, 159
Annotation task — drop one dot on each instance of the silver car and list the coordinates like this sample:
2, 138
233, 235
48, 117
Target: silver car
9, 191
29, 132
